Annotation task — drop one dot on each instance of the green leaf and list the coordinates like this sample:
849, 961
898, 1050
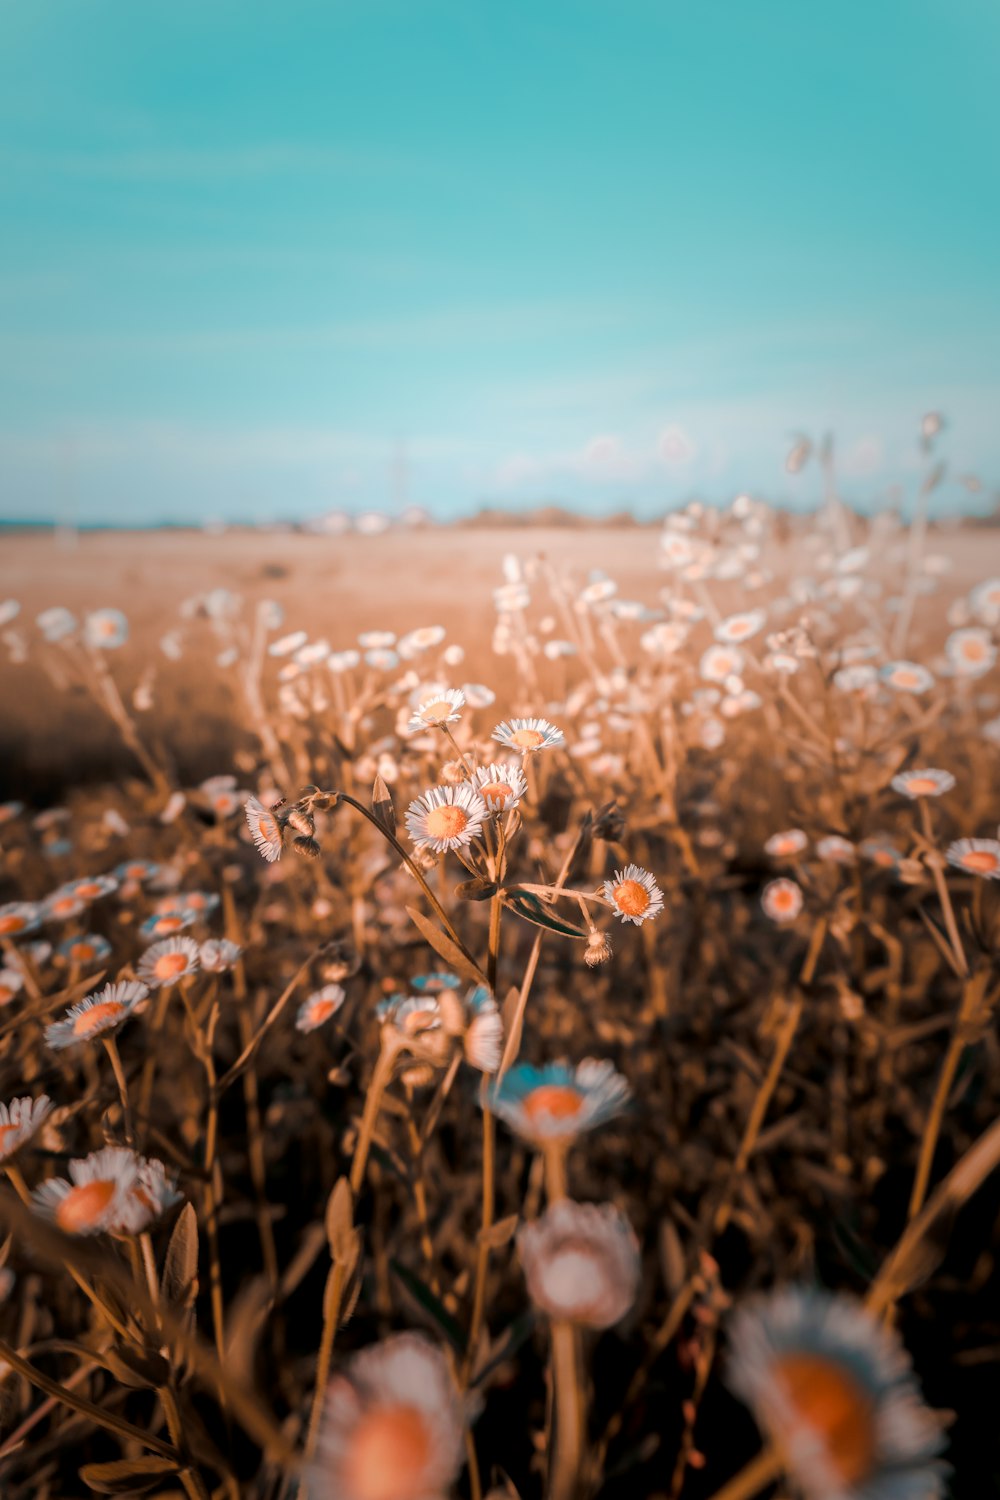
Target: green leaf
533, 909
431, 1305
443, 945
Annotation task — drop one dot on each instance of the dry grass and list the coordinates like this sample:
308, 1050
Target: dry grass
800, 1090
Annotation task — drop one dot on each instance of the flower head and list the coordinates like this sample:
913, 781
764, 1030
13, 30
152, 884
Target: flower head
97, 1196
444, 708
501, 786
784, 845
634, 894
105, 629
782, 900
976, 857
393, 1426
581, 1263
907, 677
18, 918
265, 830
558, 1101
834, 1388
923, 783
152, 1195
526, 736
970, 652
446, 817
169, 921
105, 1010
740, 627
320, 1006
19, 1121
85, 948
218, 955
167, 962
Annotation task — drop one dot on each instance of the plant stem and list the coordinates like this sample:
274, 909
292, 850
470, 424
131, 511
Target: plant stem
373, 1099
972, 997
762, 1470
111, 1047
569, 1415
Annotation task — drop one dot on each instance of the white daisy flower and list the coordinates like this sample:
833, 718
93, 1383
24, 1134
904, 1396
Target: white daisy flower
96, 1197
105, 1010
740, 627
501, 786
976, 857
923, 783
558, 1102
19, 1121
393, 1426
834, 1389
971, 652
446, 817
105, 629
528, 735
907, 676
165, 963
720, 662
634, 894
781, 900
218, 955
836, 850
443, 708
320, 1006
581, 1262
789, 842
56, 623
152, 1195
422, 639
265, 830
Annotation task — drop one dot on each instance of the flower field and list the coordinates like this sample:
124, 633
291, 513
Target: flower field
542, 1045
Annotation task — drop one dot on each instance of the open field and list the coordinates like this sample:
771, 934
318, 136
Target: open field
726, 879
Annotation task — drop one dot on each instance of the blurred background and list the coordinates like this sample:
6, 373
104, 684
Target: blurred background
261, 262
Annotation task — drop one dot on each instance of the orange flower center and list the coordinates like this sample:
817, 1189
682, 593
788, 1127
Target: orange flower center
94, 1018
169, 965
388, 1454
973, 650
169, 924
527, 739
6, 994
906, 679
921, 786
631, 897
65, 903
980, 860
496, 791
83, 1206
320, 1010
439, 709
558, 1101
85, 892
5, 1132
80, 952
783, 900
447, 822
11, 923
830, 1401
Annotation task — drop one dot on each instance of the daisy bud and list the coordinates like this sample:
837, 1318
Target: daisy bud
306, 846
453, 773
598, 949
302, 821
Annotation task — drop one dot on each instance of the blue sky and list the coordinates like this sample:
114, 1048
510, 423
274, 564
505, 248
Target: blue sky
262, 260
